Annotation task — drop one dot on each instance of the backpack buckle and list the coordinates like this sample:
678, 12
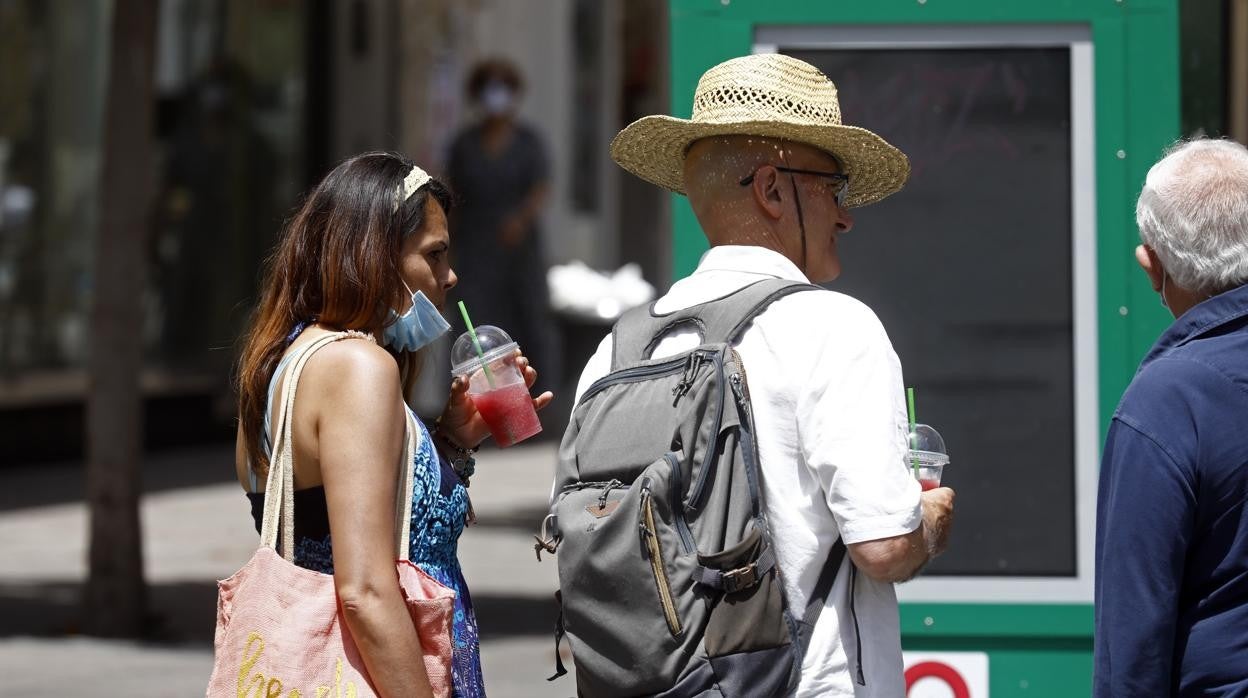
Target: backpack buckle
549, 537
740, 578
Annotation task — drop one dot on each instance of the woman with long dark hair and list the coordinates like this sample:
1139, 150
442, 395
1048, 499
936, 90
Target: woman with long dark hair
366, 253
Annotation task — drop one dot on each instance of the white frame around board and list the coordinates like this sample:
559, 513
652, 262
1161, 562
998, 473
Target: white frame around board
1078, 39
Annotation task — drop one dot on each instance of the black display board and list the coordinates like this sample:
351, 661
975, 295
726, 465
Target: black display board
969, 268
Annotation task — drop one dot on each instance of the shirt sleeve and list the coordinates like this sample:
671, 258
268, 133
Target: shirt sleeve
598, 366
1145, 517
852, 427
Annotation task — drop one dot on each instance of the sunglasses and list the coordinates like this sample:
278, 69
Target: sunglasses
841, 181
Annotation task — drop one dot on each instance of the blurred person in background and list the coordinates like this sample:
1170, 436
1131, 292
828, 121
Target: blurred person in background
367, 252
499, 170
1172, 510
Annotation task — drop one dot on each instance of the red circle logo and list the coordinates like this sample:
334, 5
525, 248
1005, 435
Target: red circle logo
938, 670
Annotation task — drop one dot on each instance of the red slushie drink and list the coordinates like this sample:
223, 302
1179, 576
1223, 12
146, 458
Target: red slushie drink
495, 384
509, 413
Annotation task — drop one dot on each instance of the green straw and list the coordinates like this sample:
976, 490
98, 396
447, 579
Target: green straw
476, 343
910, 412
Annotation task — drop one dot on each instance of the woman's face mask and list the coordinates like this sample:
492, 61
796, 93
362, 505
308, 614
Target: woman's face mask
497, 99
420, 325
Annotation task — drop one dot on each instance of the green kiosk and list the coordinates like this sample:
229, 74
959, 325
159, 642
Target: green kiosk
1004, 274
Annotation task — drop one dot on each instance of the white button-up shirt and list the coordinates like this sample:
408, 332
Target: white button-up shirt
829, 411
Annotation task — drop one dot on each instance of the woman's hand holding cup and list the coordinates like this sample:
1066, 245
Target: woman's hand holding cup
462, 422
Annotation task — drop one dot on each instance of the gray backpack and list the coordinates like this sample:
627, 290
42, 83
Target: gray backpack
668, 580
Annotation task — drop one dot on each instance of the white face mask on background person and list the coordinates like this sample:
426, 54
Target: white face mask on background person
420, 325
497, 98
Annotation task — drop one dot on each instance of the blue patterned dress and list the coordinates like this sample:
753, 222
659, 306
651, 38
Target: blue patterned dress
439, 512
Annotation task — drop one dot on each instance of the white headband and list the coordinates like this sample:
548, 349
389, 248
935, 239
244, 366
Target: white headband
414, 180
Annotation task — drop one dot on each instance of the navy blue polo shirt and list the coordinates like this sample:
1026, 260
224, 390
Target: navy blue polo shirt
1171, 516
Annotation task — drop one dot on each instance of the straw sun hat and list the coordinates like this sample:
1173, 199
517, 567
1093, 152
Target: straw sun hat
769, 95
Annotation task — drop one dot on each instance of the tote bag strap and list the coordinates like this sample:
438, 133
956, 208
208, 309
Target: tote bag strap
403, 507
279, 505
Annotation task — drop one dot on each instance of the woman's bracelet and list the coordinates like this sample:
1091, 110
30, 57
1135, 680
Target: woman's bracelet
462, 461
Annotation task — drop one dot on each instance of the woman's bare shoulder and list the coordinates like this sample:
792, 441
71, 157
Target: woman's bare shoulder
355, 368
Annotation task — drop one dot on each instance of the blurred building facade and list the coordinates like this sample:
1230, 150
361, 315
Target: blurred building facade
256, 100
259, 98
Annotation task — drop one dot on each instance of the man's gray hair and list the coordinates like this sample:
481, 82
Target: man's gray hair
1193, 212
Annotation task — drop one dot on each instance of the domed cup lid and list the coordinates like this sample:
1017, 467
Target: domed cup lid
495, 344
927, 445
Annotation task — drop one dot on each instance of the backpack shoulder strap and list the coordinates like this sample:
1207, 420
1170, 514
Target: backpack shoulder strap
819, 595
722, 320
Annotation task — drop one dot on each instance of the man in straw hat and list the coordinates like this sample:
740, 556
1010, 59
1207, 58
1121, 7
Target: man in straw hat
772, 173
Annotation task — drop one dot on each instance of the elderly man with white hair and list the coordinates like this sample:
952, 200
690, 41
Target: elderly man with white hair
1172, 511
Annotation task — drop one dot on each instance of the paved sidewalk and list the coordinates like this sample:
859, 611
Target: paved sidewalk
197, 529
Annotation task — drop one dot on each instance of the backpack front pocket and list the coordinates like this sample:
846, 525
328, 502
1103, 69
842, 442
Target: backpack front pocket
627, 584
752, 617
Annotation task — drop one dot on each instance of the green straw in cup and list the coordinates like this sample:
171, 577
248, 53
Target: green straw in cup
910, 412
476, 343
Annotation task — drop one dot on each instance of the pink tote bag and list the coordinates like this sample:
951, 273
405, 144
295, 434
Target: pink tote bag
280, 632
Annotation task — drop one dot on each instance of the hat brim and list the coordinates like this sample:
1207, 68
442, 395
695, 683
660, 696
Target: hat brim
653, 148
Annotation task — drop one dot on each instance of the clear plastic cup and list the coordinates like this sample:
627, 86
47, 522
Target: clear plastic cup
496, 385
927, 456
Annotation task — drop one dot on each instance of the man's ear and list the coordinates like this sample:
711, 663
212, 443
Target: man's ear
1151, 264
766, 191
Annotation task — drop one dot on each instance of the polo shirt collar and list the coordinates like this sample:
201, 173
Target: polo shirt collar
750, 259
1200, 319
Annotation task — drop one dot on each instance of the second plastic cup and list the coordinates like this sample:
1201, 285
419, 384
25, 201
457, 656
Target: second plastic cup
496, 385
927, 456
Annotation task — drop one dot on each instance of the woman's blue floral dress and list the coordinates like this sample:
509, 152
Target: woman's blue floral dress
439, 511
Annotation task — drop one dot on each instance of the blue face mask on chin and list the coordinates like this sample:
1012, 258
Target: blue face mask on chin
420, 325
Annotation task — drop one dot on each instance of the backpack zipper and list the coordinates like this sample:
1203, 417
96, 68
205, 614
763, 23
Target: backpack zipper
678, 512
637, 373
695, 494
738, 388
607, 484
602, 498
654, 553
692, 364
741, 388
